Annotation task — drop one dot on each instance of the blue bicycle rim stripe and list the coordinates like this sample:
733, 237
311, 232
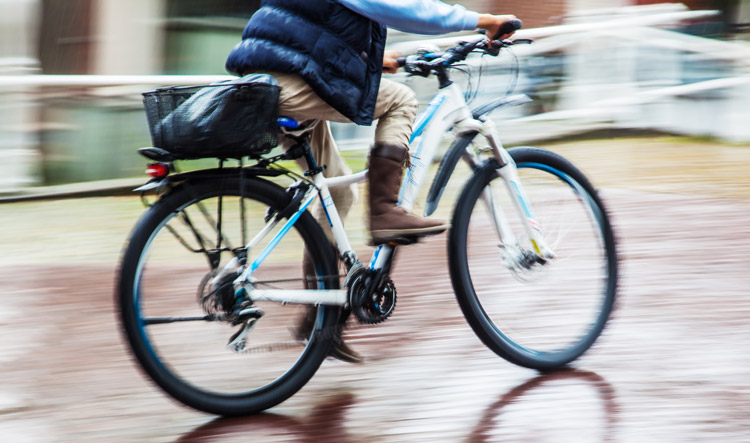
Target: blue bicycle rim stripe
571, 182
140, 322
561, 175
137, 308
568, 181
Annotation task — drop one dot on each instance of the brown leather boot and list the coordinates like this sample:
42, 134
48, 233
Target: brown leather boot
339, 350
388, 222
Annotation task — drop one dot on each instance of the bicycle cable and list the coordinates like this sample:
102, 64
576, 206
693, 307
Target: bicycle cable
472, 89
515, 73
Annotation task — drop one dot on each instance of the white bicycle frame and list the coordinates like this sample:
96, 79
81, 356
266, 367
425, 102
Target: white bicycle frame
448, 109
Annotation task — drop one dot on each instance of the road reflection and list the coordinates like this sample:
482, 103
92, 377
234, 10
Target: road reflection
490, 420
327, 420
325, 423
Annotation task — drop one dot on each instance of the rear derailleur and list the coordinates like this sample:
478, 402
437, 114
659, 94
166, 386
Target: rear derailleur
217, 297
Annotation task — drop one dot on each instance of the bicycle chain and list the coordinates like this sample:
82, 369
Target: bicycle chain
333, 332
222, 296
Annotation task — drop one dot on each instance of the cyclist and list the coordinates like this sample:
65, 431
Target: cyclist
327, 56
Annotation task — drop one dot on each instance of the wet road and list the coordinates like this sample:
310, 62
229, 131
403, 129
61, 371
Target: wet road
673, 365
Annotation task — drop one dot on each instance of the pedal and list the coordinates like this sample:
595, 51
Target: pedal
400, 241
406, 240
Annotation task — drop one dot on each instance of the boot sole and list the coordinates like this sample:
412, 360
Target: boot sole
345, 354
405, 236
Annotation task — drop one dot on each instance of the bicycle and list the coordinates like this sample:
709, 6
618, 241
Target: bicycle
246, 298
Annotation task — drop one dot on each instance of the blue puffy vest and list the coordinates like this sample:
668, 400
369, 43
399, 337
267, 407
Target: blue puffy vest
338, 52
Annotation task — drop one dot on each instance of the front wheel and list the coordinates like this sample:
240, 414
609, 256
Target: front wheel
175, 292
534, 313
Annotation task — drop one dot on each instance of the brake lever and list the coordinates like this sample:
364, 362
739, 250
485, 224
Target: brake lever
416, 66
494, 47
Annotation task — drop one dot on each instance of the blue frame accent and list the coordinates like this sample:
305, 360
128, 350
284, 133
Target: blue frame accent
375, 255
325, 209
427, 115
524, 205
407, 177
422, 122
279, 235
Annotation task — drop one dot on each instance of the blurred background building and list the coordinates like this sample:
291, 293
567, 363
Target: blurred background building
596, 64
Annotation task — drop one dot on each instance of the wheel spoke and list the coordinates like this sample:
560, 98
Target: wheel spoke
540, 315
175, 307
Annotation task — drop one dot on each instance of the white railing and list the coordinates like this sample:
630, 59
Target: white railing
577, 28
68, 81
584, 100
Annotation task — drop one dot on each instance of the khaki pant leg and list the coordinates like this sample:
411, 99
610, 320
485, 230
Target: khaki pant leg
395, 110
326, 153
299, 101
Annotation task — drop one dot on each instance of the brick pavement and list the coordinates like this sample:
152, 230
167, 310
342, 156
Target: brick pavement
672, 366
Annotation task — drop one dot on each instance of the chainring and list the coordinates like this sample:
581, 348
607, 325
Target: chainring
370, 308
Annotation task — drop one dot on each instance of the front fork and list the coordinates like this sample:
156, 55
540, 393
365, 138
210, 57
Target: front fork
509, 173
533, 229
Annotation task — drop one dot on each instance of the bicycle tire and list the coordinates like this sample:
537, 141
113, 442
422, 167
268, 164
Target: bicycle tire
211, 380
503, 312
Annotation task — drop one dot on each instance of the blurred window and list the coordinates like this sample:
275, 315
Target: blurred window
200, 33
210, 13
66, 38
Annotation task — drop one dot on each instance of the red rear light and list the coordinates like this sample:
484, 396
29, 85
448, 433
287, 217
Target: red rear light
157, 170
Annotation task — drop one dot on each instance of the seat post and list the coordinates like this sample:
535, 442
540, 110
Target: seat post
292, 129
309, 158
301, 148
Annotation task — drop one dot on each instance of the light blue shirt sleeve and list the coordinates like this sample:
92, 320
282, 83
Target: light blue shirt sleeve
416, 16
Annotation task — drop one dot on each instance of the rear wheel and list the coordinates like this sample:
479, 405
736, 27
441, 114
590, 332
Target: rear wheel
538, 315
168, 284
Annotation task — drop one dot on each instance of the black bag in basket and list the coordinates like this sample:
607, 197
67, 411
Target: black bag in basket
225, 120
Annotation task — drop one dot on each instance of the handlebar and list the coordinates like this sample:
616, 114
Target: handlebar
508, 27
424, 63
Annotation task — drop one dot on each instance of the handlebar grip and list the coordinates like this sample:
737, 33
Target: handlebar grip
508, 27
401, 61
